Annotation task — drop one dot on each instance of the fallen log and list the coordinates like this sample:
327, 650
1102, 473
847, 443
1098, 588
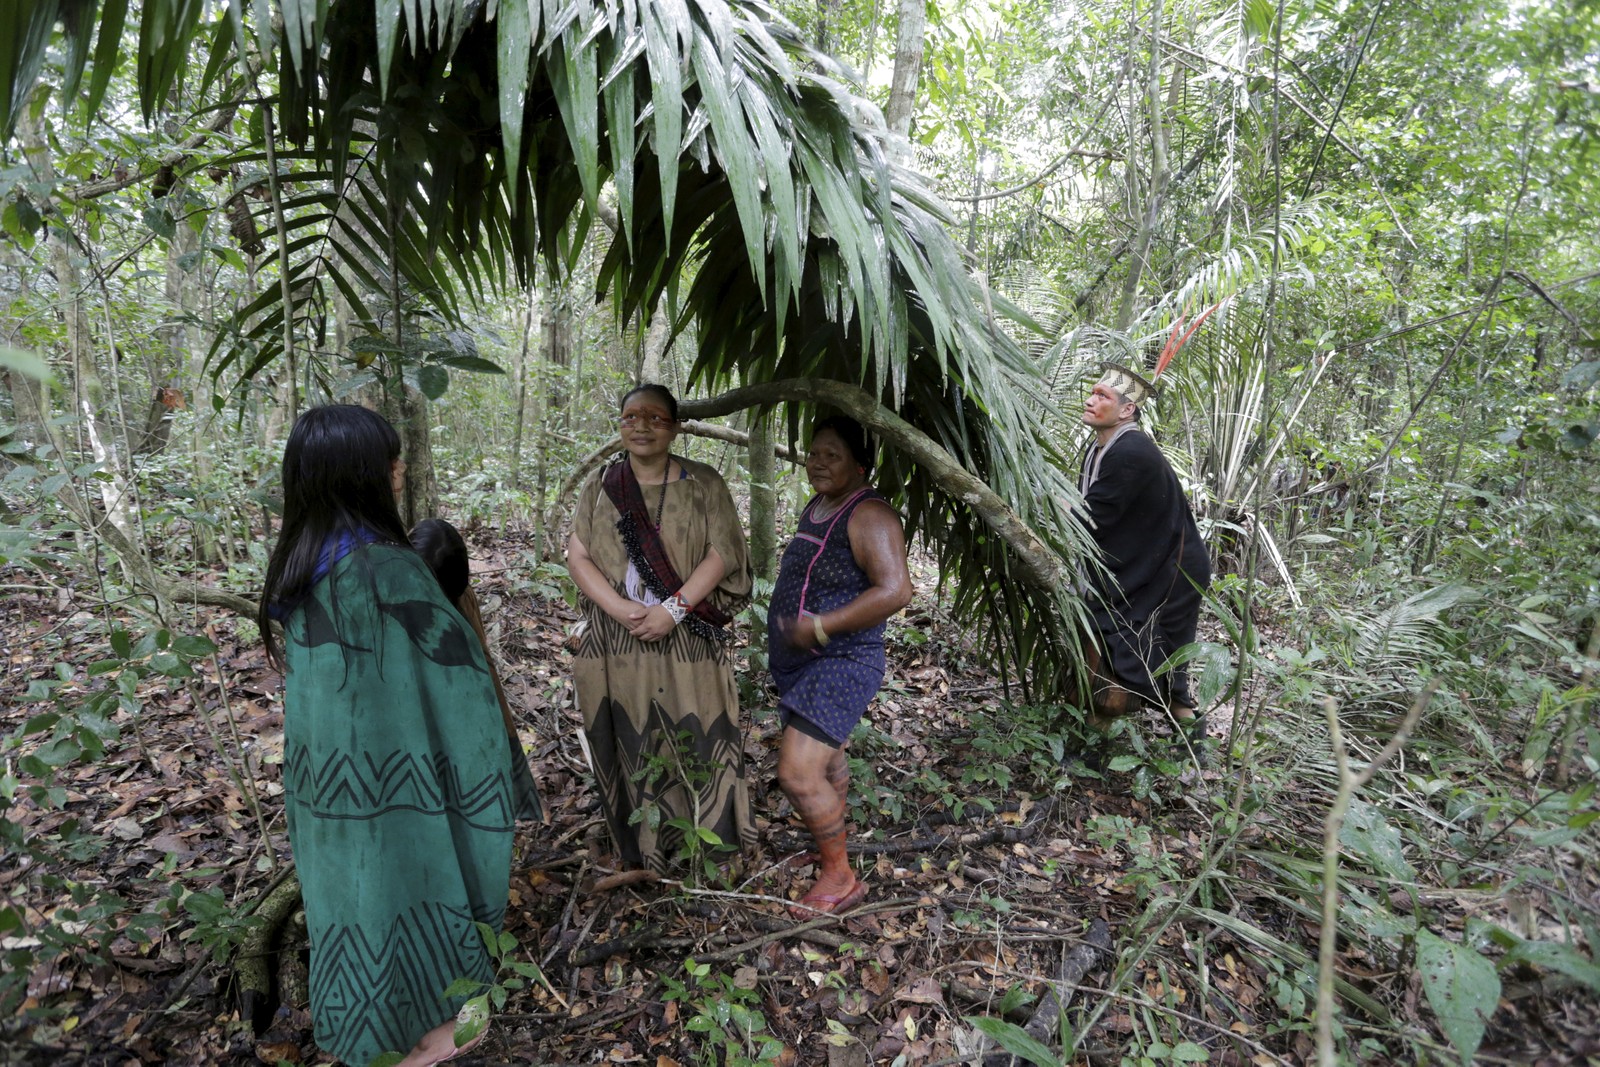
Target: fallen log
1045, 1022
255, 978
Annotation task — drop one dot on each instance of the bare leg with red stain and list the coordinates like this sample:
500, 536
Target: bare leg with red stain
816, 778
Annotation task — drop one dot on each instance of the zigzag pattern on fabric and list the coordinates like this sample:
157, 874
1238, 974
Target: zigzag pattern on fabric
401, 781
372, 993
635, 766
627, 780
608, 637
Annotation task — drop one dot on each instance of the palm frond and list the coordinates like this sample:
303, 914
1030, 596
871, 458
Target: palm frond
1412, 631
739, 156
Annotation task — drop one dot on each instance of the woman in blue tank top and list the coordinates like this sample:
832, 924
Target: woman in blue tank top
841, 578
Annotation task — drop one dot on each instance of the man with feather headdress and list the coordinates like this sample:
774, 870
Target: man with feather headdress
1145, 602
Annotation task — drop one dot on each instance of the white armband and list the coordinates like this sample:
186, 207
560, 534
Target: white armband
676, 607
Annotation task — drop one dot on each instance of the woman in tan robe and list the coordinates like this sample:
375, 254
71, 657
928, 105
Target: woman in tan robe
659, 555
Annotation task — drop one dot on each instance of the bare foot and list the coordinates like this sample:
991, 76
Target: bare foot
437, 1046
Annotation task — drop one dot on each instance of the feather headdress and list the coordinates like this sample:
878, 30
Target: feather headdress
1135, 386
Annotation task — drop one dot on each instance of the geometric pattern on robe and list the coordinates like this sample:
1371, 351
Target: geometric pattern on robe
661, 718
401, 798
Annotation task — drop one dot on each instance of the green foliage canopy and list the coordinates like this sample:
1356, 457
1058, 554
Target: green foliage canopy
458, 140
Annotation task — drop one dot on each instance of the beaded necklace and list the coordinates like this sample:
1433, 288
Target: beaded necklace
661, 503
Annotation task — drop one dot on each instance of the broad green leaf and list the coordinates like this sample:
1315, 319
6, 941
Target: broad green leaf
165, 32
1462, 988
27, 363
622, 122
576, 85
471, 1019
461, 987
514, 52
25, 30
388, 26
433, 380
193, 646
735, 150
1015, 1040
1367, 834
28, 220
1555, 956
160, 221
1215, 672
662, 23
58, 753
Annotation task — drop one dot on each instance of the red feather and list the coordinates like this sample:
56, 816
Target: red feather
1174, 342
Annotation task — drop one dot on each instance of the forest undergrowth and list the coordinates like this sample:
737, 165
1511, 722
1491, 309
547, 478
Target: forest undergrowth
1178, 911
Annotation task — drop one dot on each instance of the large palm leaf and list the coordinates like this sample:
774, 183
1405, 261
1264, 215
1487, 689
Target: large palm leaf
740, 160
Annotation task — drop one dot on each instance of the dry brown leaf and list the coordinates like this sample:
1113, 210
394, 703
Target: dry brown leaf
924, 990
275, 1052
127, 828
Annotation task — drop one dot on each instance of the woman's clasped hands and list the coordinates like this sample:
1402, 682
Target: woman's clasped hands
647, 622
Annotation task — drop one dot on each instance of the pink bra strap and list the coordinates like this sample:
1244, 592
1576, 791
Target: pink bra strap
843, 510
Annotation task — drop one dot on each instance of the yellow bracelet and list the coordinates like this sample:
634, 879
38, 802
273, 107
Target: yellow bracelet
822, 635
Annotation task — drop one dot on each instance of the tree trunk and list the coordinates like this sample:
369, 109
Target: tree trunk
420, 499
826, 9
30, 399
1576, 711
902, 104
116, 491
558, 343
763, 498
530, 317
655, 347
1159, 178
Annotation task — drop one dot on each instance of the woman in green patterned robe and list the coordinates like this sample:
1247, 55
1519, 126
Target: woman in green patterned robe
400, 787
659, 554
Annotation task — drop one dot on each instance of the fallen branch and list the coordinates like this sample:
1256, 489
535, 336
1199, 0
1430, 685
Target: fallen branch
1045, 1022
623, 878
647, 934
1350, 783
256, 986
775, 931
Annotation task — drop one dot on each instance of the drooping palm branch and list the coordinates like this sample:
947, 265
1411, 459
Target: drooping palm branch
740, 161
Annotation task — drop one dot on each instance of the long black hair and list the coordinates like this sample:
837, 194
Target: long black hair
336, 481
443, 549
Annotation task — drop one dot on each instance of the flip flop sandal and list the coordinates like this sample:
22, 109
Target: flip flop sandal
814, 904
